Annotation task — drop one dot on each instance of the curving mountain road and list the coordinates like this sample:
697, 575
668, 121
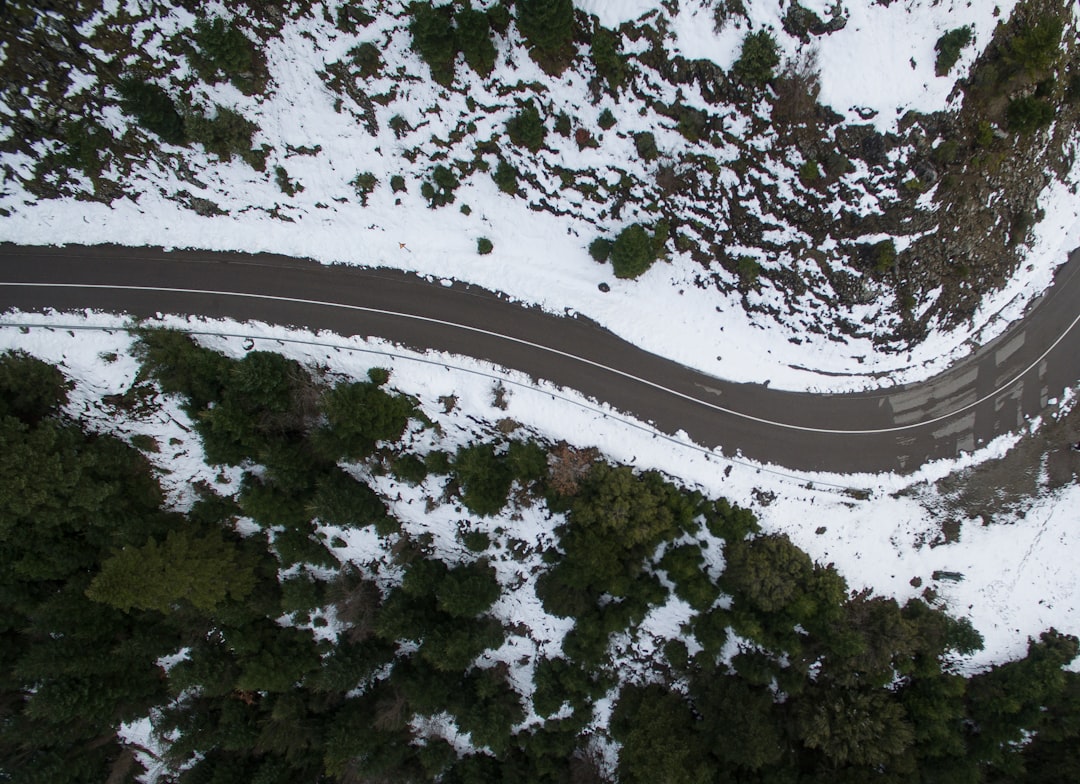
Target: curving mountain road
989, 393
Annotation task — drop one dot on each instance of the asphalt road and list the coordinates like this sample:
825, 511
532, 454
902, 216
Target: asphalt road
990, 393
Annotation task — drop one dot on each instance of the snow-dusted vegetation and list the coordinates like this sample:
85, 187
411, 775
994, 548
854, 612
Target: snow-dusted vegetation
850, 186
341, 581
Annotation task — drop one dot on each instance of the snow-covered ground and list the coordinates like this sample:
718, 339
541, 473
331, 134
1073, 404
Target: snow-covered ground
538, 257
1019, 575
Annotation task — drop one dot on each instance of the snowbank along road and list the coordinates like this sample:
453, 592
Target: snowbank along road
991, 392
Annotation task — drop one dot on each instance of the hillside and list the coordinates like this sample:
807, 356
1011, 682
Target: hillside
224, 564
796, 178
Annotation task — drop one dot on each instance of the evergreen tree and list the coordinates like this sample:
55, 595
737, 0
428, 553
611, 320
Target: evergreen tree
485, 478
526, 129
548, 27
153, 108
30, 389
474, 39
434, 39
201, 570
633, 252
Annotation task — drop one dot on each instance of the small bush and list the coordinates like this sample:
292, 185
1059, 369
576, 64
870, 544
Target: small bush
484, 246
607, 119
224, 51
153, 109
287, 186
350, 17
367, 58
397, 183
506, 177
410, 469
884, 254
1028, 114
600, 249
757, 60
364, 183
809, 172
645, 144
725, 10
948, 49
610, 65
748, 270
632, 252
984, 134
526, 129
225, 134
440, 190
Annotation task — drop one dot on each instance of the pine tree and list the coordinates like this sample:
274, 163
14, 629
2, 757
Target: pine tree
549, 27
203, 571
434, 39
474, 40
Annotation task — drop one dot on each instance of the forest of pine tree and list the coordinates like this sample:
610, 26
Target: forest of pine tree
113, 609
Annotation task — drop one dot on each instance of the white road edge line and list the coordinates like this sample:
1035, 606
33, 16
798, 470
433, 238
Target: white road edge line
750, 417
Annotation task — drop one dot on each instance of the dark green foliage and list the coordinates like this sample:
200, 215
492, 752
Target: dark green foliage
854, 727
87, 145
607, 120
440, 190
604, 51
506, 177
397, 184
350, 17
1034, 48
526, 129
433, 38
499, 17
600, 249
287, 186
754, 741
30, 389
474, 40
225, 134
181, 366
729, 522
468, 591
656, 729
358, 416
364, 183
367, 58
201, 570
488, 709
685, 567
265, 398
485, 478
1010, 698
153, 109
948, 48
347, 502
548, 27
758, 58
484, 246
1029, 114
645, 144
884, 255
225, 52
70, 669
632, 252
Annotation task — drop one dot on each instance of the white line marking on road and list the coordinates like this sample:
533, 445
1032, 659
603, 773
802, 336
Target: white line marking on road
558, 352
